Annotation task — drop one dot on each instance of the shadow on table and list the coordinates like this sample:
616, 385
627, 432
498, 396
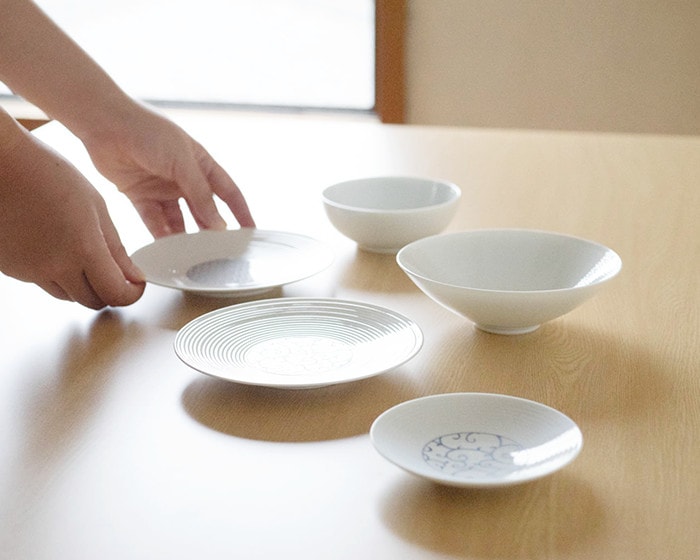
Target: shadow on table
282, 415
373, 272
71, 378
542, 519
587, 374
177, 309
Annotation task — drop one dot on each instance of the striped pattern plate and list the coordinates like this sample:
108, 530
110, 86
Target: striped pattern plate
297, 343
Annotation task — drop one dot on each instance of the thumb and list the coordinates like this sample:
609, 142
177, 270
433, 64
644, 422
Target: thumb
131, 272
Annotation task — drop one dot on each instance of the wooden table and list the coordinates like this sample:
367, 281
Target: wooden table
112, 449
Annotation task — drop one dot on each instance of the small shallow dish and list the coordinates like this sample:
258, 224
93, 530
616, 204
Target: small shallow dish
298, 343
509, 281
382, 214
231, 263
476, 439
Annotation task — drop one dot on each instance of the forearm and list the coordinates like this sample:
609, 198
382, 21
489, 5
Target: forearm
39, 62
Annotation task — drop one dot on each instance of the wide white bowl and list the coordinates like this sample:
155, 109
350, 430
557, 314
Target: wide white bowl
476, 439
382, 214
508, 281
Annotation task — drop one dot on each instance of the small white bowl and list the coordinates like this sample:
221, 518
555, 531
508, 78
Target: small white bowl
476, 439
382, 214
508, 281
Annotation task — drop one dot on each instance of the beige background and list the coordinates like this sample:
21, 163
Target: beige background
610, 65
625, 65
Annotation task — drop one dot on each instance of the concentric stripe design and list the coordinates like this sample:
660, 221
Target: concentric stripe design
298, 342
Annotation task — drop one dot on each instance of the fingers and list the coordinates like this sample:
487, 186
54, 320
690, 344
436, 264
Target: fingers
205, 179
161, 217
205, 212
55, 290
100, 286
79, 290
131, 272
227, 190
74, 288
108, 276
162, 174
111, 275
202, 206
95, 290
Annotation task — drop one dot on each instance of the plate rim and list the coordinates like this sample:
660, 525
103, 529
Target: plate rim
251, 289
303, 382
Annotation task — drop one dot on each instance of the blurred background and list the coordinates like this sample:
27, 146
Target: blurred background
603, 65
303, 53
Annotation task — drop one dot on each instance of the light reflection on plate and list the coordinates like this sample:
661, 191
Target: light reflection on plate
476, 439
296, 343
237, 263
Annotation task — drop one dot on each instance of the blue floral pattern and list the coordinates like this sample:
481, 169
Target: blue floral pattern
471, 454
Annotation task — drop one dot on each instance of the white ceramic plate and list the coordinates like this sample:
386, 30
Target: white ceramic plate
296, 343
476, 439
233, 262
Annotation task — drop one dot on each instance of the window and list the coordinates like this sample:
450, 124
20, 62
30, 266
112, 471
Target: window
286, 53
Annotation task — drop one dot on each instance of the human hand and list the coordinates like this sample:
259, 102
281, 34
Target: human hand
56, 231
155, 163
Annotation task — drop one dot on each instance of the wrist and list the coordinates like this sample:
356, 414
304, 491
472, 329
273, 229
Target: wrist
102, 117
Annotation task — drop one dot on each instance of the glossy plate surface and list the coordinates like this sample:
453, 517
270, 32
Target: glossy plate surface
297, 343
476, 439
233, 262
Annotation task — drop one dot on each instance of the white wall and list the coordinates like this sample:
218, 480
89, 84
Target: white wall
619, 65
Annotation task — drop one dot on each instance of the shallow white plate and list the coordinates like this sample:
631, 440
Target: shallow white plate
233, 262
297, 343
476, 439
